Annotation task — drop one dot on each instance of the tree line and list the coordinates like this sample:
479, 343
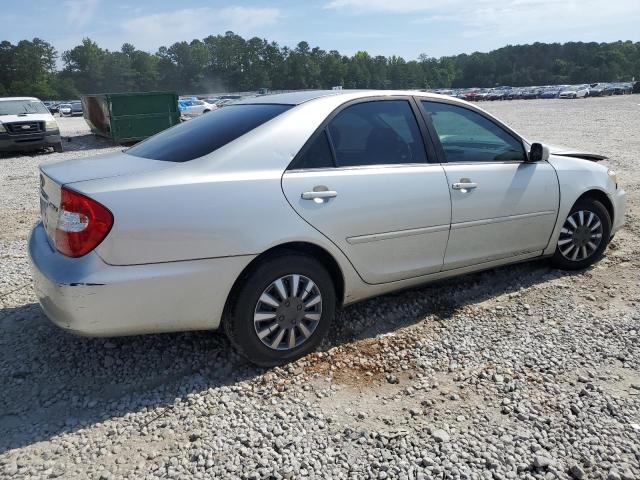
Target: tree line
231, 63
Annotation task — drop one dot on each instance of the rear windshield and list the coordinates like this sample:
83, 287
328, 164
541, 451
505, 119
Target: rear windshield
206, 133
17, 107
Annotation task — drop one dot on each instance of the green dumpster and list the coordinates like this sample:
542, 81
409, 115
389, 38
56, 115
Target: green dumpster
130, 117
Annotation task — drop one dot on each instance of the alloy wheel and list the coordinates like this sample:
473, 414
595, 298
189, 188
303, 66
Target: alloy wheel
288, 312
580, 236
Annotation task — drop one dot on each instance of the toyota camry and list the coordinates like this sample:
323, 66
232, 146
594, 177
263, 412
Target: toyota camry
265, 216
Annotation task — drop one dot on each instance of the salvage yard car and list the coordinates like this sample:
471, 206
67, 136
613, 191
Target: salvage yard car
265, 216
575, 91
26, 124
193, 107
70, 109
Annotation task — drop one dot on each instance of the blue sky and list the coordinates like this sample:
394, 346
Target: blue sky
402, 27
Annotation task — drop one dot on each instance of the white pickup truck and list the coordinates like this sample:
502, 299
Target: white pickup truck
26, 124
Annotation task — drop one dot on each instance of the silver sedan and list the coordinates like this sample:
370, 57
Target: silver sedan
265, 216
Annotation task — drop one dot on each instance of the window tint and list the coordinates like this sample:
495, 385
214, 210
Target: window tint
318, 155
377, 133
467, 136
205, 134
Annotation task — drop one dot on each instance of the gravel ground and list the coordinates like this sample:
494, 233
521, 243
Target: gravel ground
520, 372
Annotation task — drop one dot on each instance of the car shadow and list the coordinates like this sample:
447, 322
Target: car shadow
54, 382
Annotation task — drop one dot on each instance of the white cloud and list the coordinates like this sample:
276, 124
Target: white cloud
152, 31
510, 20
506, 19
79, 12
370, 6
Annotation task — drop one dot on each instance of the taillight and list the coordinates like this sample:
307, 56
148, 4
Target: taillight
82, 224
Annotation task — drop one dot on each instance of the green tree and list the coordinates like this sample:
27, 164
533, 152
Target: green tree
229, 62
84, 66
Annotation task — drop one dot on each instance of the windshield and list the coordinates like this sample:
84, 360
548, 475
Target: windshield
17, 107
205, 134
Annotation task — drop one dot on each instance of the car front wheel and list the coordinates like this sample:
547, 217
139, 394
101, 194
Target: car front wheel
584, 236
282, 310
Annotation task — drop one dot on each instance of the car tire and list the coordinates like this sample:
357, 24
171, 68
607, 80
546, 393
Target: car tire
573, 251
58, 148
247, 316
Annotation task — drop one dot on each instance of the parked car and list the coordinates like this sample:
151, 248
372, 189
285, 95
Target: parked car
514, 94
76, 108
51, 106
550, 93
193, 107
265, 216
64, 109
623, 89
472, 95
636, 88
223, 102
575, 91
26, 124
496, 95
70, 109
597, 89
529, 93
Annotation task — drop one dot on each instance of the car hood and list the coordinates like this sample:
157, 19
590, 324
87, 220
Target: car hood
101, 166
28, 117
572, 152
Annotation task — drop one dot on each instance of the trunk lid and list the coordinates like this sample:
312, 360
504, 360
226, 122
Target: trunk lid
54, 176
102, 166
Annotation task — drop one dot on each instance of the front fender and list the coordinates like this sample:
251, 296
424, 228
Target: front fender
576, 177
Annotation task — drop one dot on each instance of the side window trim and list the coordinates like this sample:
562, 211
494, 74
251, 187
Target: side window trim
435, 153
332, 147
431, 155
440, 150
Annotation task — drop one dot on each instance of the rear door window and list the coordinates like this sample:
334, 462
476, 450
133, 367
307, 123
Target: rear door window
377, 133
203, 135
317, 155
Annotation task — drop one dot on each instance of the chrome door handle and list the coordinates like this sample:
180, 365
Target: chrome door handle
321, 195
464, 186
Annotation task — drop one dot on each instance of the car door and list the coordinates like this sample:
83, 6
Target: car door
501, 205
365, 182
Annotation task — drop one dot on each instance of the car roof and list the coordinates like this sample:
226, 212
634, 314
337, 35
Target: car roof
4, 99
296, 98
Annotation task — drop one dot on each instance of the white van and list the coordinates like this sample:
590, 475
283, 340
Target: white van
26, 124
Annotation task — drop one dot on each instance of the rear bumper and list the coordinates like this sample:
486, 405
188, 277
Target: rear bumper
29, 141
89, 297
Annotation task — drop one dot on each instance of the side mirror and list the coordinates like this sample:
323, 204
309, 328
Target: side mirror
538, 153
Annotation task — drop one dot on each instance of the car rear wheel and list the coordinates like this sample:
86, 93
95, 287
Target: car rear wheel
584, 236
282, 310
